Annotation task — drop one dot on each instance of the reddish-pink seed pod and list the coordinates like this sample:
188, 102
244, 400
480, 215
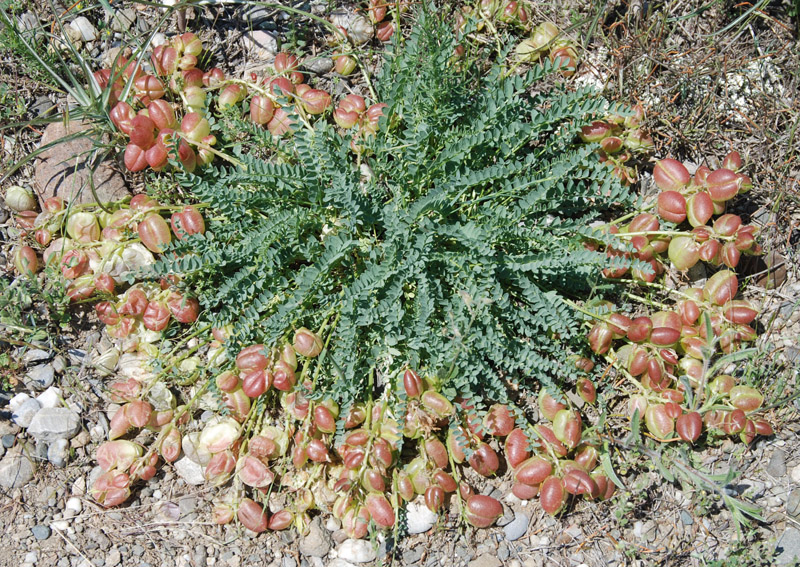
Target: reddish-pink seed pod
280, 520
380, 510
255, 382
600, 337
701, 176
524, 491
745, 398
689, 426
640, 329
586, 390
723, 184
672, 409
252, 515
498, 420
154, 232
517, 448
658, 422
664, 336
644, 222
727, 225
671, 175
436, 451
434, 498
484, 460
549, 442
730, 255
548, 406
618, 324
672, 206
412, 384
552, 495
324, 420
578, 482
683, 252
699, 208
533, 471
586, 456
482, 511
763, 427
721, 287
732, 161
252, 358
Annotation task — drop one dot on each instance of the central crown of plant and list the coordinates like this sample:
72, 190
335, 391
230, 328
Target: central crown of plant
442, 238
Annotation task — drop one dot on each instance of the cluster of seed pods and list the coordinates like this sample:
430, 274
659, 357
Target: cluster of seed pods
92, 249
655, 350
620, 137
379, 22
167, 120
357, 475
694, 200
352, 113
697, 199
271, 94
547, 42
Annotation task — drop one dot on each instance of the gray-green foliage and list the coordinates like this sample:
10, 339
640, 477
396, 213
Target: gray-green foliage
450, 255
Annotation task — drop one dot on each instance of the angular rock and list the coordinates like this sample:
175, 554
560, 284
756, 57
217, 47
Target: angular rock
50, 398
356, 551
420, 518
41, 377
62, 169
189, 471
121, 21
777, 463
58, 453
25, 412
35, 355
16, 470
318, 65
17, 401
788, 547
51, 424
318, 541
262, 44
85, 27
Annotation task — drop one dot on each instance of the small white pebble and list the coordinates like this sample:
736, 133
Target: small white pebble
60, 525
74, 505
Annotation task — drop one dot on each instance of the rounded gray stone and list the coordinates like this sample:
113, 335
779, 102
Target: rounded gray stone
517, 528
777, 463
40, 532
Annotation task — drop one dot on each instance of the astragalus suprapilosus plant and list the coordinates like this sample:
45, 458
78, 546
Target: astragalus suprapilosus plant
436, 233
371, 281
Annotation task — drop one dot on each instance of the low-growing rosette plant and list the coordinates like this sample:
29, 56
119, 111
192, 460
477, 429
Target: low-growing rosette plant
371, 290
